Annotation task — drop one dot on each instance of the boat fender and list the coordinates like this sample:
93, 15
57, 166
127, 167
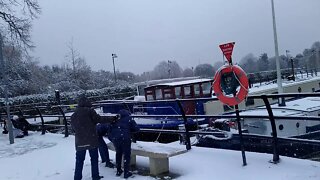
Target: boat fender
222, 92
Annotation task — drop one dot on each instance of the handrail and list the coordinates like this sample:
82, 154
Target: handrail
43, 130
66, 134
183, 116
188, 143
274, 130
311, 118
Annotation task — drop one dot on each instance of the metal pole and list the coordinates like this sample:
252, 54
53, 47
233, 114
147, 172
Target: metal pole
66, 132
43, 128
114, 68
244, 160
292, 70
279, 81
317, 58
185, 121
287, 51
5, 78
276, 157
169, 68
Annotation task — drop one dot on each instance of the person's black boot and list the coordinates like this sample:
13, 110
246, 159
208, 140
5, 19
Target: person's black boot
109, 164
127, 174
97, 178
25, 133
119, 172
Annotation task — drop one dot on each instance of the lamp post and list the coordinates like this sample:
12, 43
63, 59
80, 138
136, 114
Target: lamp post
169, 68
114, 68
290, 60
287, 55
6, 82
279, 80
317, 58
292, 70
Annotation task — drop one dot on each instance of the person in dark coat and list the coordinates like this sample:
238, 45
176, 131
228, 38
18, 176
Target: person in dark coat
83, 122
120, 135
102, 130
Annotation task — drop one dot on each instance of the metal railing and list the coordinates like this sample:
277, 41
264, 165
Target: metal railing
188, 133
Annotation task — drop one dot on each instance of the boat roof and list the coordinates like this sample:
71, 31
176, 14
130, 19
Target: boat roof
258, 89
159, 81
179, 83
308, 104
293, 108
276, 112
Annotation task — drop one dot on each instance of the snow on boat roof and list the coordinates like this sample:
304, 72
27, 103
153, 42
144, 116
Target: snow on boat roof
276, 112
292, 108
256, 89
178, 83
159, 81
308, 104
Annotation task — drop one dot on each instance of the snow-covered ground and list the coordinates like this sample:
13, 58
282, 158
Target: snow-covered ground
52, 157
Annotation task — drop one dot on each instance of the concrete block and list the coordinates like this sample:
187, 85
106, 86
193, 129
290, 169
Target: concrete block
158, 165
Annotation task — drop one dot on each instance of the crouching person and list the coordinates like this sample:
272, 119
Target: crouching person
83, 122
120, 135
21, 126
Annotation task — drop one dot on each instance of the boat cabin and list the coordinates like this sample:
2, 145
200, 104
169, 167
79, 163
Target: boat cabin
196, 88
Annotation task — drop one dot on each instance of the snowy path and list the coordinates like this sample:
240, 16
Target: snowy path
51, 157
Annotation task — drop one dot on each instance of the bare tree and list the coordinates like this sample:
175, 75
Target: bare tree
73, 57
80, 70
187, 72
249, 63
16, 16
204, 70
166, 69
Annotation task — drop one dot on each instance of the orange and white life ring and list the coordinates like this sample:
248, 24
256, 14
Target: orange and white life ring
241, 77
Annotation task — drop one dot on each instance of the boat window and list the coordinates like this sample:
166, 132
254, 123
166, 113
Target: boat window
149, 97
187, 91
159, 94
196, 90
178, 92
299, 89
168, 94
281, 127
297, 124
206, 87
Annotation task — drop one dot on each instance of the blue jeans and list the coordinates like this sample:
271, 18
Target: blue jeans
80, 157
103, 149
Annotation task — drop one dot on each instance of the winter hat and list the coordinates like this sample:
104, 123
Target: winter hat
83, 101
15, 117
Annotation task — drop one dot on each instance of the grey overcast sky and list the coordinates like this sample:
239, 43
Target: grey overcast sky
144, 32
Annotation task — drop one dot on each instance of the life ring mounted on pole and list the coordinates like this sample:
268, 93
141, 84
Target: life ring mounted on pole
227, 81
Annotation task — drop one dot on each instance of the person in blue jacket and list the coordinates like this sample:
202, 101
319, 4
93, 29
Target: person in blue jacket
102, 130
120, 135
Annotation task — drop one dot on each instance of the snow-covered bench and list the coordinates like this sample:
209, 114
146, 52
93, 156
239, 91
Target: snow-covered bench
158, 155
